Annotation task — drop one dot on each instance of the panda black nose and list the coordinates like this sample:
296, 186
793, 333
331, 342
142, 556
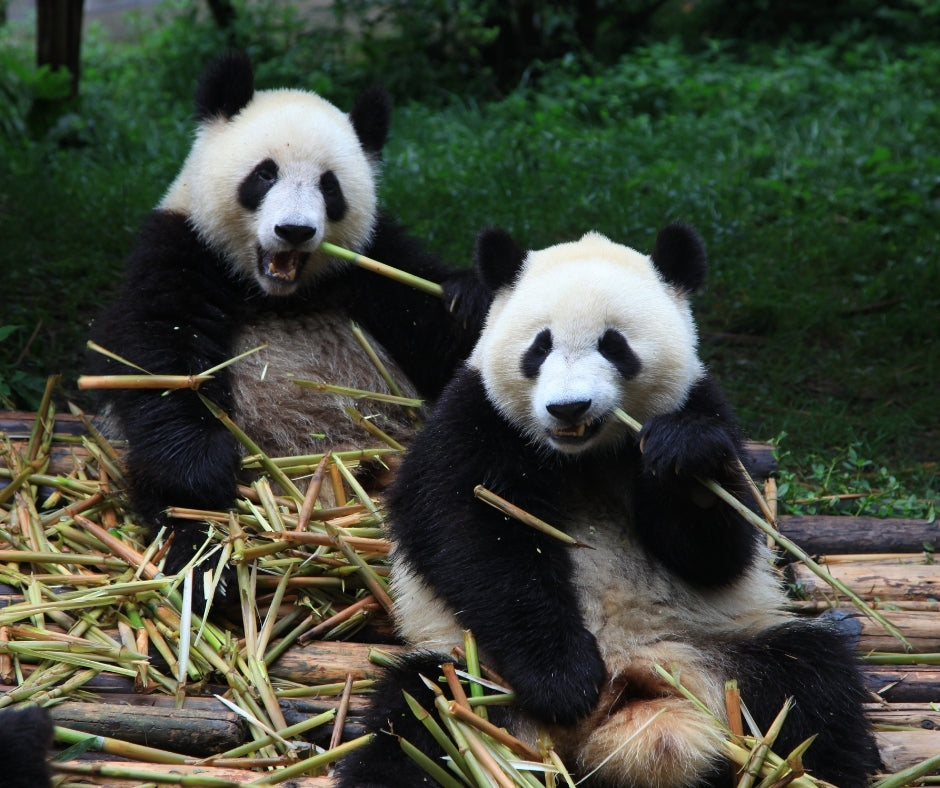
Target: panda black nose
569, 411
295, 234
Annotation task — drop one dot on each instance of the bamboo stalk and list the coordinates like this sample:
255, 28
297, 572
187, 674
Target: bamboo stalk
166, 382
346, 391
504, 506
431, 288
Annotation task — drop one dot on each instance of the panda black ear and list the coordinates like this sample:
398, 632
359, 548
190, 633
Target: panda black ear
371, 116
225, 87
679, 255
498, 258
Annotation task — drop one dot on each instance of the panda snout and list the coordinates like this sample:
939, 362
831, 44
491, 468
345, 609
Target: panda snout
569, 412
295, 234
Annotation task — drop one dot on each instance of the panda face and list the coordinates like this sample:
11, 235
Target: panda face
267, 186
583, 329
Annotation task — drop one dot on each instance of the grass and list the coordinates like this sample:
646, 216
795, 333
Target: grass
813, 174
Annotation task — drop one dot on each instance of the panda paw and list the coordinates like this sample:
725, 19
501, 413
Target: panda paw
680, 446
466, 299
568, 689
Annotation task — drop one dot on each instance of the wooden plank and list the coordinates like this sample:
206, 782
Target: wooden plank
903, 683
107, 764
882, 580
925, 716
189, 731
824, 535
903, 749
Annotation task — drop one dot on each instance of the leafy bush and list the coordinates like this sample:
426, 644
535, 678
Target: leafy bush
811, 171
811, 21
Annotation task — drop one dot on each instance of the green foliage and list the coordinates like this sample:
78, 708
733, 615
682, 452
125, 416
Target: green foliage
484, 48
813, 173
808, 20
847, 483
20, 86
17, 386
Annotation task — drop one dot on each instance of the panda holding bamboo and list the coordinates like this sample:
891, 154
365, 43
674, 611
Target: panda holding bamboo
231, 261
673, 577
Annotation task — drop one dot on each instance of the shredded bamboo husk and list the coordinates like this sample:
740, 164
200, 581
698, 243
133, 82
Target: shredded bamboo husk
87, 604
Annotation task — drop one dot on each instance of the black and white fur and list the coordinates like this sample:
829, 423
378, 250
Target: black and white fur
231, 260
675, 578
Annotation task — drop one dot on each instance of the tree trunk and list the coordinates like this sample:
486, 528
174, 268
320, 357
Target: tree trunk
59, 36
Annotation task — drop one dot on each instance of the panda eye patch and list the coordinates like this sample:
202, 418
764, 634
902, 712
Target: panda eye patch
537, 353
257, 184
333, 196
614, 347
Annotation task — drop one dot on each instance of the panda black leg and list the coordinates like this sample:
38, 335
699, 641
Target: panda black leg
383, 763
188, 539
25, 734
814, 664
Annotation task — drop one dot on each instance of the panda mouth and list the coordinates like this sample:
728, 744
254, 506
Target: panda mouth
283, 267
576, 433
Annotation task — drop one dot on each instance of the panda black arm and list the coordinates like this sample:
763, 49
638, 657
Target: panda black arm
426, 335
173, 315
508, 583
681, 523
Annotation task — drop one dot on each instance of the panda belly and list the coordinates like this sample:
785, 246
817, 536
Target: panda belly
643, 732
286, 419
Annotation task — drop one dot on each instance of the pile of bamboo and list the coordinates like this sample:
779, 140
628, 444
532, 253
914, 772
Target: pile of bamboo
271, 689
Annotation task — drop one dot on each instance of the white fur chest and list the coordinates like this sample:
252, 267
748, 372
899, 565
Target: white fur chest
629, 602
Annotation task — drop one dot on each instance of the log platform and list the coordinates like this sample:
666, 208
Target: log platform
79, 613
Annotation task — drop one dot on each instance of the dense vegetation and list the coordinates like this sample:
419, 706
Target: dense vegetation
812, 170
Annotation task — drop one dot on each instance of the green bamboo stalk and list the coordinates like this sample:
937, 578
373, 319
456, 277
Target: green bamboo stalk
431, 288
374, 430
439, 735
373, 355
373, 582
880, 658
504, 506
291, 732
437, 772
364, 498
346, 391
129, 773
911, 774
314, 763
106, 744
41, 434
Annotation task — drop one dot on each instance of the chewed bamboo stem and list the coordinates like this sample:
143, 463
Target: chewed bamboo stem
142, 381
426, 286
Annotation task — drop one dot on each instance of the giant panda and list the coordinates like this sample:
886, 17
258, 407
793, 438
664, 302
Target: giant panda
230, 260
672, 576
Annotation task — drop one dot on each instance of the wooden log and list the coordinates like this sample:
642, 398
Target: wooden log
921, 629
823, 534
883, 580
327, 662
902, 749
903, 683
925, 716
107, 764
189, 731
